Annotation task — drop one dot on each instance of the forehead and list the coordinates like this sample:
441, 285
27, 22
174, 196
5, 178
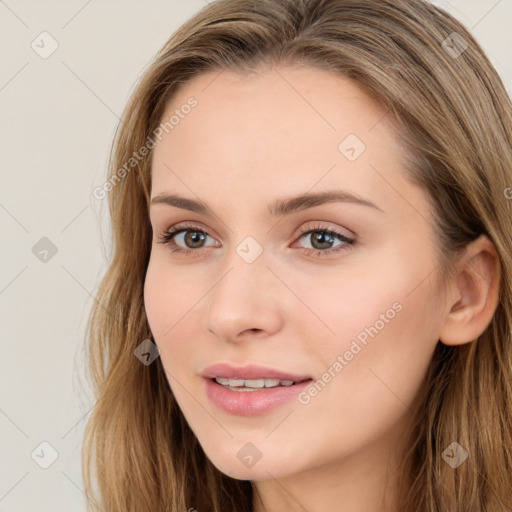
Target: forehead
277, 107
277, 132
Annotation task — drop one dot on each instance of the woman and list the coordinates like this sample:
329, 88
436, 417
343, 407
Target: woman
309, 301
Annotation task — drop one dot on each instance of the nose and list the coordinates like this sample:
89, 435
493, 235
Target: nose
245, 303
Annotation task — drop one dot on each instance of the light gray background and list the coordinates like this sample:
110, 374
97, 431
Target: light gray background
59, 117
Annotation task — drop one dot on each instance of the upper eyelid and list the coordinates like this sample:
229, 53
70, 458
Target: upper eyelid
184, 226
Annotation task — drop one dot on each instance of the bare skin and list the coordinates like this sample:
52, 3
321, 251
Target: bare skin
249, 141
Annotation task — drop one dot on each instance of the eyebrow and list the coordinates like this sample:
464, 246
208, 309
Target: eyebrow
281, 207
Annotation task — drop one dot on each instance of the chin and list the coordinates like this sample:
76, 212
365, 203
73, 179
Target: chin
262, 469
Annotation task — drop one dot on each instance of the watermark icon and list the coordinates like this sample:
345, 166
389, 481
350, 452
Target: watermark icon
44, 455
454, 45
508, 193
137, 156
146, 352
343, 359
249, 249
454, 455
44, 250
44, 45
249, 454
351, 147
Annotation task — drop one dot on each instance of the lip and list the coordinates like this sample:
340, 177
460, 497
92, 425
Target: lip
251, 403
251, 371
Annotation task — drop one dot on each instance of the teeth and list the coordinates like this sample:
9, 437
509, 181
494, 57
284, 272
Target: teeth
259, 383
254, 383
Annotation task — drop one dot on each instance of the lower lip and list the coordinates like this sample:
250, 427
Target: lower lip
251, 403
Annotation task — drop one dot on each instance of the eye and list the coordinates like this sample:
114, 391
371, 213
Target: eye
323, 238
188, 234
189, 238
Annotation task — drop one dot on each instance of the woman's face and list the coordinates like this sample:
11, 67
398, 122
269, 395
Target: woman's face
268, 282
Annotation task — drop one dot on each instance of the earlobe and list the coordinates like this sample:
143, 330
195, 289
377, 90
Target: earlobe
476, 294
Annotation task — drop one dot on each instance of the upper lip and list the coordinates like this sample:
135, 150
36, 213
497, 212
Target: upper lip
249, 372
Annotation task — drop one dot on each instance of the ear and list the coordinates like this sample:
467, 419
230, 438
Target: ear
474, 295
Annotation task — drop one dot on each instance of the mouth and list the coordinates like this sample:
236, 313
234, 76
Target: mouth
252, 389
252, 397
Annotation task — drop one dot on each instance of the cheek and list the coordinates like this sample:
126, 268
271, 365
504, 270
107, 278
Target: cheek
155, 300
168, 299
376, 365
336, 308
384, 329
171, 301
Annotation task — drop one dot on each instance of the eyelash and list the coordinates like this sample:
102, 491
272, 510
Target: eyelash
167, 239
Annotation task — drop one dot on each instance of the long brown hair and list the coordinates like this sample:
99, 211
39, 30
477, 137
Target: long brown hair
455, 119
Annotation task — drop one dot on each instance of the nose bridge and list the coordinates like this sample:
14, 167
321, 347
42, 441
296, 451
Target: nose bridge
241, 298
246, 268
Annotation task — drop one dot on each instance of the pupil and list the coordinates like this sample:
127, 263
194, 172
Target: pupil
320, 238
195, 238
